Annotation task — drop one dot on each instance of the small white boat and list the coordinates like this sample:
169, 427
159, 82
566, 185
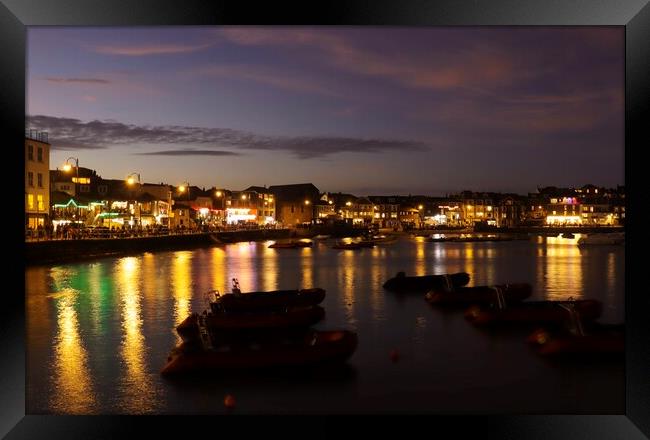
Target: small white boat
603, 238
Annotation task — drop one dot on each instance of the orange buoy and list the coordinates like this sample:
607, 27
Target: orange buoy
229, 401
394, 355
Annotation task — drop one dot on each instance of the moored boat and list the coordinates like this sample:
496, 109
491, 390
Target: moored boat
595, 339
534, 312
313, 348
320, 237
237, 301
379, 239
291, 245
602, 239
354, 245
421, 284
190, 328
463, 296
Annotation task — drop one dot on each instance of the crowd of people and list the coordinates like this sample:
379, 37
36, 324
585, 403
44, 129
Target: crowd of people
73, 231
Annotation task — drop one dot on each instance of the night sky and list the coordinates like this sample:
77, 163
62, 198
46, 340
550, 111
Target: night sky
356, 109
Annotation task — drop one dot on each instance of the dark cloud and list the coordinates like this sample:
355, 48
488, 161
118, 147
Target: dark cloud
189, 152
77, 80
68, 133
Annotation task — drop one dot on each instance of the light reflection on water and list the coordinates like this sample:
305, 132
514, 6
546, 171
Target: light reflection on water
71, 376
98, 332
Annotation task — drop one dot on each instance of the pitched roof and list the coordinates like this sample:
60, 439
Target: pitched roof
295, 191
259, 189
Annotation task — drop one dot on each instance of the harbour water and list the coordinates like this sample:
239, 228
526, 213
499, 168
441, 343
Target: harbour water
99, 332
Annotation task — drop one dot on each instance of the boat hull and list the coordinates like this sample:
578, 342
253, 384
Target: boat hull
268, 300
597, 339
221, 323
537, 312
463, 296
426, 283
327, 346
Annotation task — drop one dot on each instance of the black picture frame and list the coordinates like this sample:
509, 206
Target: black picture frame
15, 15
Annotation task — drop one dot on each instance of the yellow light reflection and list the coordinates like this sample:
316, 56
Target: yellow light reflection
269, 273
348, 272
420, 264
218, 272
563, 270
307, 262
378, 275
137, 395
181, 286
75, 392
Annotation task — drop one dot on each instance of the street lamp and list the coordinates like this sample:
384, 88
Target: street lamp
185, 186
130, 180
67, 166
220, 195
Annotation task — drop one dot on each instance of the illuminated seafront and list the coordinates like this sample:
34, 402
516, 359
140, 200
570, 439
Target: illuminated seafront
99, 332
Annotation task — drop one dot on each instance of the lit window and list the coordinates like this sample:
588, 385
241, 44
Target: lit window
41, 205
30, 201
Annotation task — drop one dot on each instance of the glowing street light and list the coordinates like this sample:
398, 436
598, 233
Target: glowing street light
67, 166
307, 202
218, 193
130, 180
348, 203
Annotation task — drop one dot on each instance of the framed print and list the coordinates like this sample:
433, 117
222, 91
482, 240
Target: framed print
417, 210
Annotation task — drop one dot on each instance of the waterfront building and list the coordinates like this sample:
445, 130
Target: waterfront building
386, 211
295, 203
476, 208
254, 205
509, 211
410, 217
564, 211
37, 179
182, 215
324, 211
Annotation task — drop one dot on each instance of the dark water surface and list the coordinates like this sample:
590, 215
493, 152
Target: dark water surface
99, 332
